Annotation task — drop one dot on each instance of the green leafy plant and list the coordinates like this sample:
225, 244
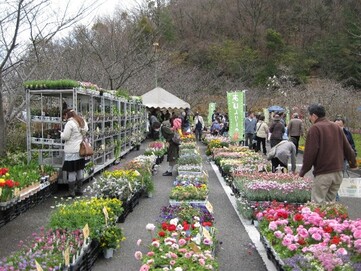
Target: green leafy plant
51, 84
111, 237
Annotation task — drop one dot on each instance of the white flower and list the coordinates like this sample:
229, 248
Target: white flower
174, 221
150, 227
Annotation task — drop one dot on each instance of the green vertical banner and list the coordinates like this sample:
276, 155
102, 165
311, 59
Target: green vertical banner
236, 115
211, 108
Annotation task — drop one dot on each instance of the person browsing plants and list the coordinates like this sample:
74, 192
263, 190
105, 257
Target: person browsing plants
74, 131
325, 149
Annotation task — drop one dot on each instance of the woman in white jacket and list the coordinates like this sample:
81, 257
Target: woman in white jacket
74, 131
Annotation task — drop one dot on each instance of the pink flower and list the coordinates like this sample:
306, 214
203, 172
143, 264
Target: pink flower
357, 234
150, 261
302, 232
182, 250
155, 244
138, 255
317, 236
139, 242
172, 262
188, 255
341, 251
202, 262
144, 267
207, 242
272, 226
292, 247
150, 254
182, 242
287, 240
278, 234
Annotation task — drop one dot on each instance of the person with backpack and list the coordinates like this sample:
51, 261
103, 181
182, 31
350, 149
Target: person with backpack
199, 125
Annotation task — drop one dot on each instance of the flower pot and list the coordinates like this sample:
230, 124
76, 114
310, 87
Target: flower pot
108, 253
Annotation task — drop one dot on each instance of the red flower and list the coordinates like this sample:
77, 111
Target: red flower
3, 171
335, 240
2, 184
161, 233
164, 225
10, 183
301, 241
207, 223
327, 229
298, 217
185, 225
171, 227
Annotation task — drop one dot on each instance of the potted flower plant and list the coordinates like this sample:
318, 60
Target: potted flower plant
110, 240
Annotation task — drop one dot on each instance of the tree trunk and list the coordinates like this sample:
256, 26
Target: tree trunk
2, 121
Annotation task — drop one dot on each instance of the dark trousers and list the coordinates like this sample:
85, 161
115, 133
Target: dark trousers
275, 163
248, 140
198, 133
262, 141
295, 140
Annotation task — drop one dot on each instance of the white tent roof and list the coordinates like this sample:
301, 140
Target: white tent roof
159, 97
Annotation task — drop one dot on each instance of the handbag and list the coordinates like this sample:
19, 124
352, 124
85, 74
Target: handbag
176, 138
85, 148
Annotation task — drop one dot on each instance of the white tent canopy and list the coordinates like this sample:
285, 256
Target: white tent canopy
159, 97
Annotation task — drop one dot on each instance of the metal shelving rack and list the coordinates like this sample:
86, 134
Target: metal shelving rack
112, 122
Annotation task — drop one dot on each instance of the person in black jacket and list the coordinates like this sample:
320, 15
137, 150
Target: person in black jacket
168, 131
340, 121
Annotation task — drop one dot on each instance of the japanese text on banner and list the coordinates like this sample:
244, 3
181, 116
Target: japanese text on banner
236, 115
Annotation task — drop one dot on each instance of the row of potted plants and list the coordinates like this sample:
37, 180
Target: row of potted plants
184, 239
75, 230
297, 234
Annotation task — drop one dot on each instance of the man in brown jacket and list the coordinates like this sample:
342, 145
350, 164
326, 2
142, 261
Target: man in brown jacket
295, 130
325, 150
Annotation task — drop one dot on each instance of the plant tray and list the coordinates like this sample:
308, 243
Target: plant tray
195, 202
197, 173
272, 255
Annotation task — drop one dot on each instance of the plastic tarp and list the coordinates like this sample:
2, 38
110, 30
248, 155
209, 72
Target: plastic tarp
275, 108
160, 98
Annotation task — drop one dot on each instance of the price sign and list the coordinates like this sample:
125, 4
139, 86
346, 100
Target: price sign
194, 247
206, 234
209, 207
38, 266
67, 256
106, 215
86, 232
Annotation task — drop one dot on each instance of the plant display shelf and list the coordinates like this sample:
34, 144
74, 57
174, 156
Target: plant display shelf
115, 124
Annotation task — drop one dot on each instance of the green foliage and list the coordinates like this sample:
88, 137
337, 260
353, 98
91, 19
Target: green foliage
122, 93
357, 140
16, 137
274, 40
51, 84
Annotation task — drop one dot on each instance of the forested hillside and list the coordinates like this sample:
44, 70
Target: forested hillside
289, 52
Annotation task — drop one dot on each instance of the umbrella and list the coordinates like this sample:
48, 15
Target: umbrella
275, 108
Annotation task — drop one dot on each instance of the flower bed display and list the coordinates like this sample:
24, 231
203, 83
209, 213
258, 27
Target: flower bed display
262, 186
189, 179
179, 245
65, 235
189, 192
312, 237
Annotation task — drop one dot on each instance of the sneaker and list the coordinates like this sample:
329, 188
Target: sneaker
167, 173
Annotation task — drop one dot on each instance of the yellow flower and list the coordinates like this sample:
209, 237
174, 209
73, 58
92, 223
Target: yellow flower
2, 180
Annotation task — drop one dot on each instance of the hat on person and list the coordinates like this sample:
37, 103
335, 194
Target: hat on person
276, 117
295, 115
